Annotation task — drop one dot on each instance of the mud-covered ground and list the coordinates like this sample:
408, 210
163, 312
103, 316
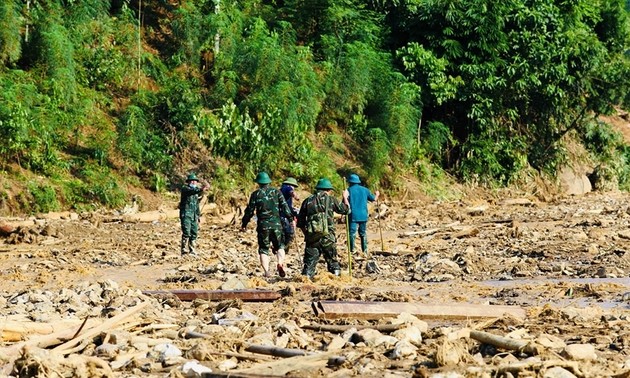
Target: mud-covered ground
566, 263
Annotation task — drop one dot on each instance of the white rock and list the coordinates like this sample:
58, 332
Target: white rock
166, 351
404, 349
107, 351
411, 334
193, 369
283, 340
550, 341
406, 317
228, 364
336, 343
558, 372
580, 352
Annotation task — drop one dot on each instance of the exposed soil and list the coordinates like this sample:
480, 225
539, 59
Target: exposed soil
565, 262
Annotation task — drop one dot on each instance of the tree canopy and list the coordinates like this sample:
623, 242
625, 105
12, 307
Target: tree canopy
480, 89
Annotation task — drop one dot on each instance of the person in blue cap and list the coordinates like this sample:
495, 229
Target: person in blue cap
359, 197
190, 212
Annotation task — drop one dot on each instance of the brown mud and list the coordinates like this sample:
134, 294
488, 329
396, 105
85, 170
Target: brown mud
566, 262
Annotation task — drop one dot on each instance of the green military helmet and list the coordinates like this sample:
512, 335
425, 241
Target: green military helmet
291, 181
262, 178
354, 179
192, 177
324, 184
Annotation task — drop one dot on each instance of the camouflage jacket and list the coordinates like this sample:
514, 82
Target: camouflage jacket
189, 201
269, 204
318, 202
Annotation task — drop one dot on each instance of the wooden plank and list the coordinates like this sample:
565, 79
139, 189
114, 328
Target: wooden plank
378, 310
247, 295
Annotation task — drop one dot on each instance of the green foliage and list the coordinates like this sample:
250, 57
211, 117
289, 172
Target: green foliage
53, 52
376, 156
144, 146
94, 185
436, 139
44, 198
523, 71
10, 23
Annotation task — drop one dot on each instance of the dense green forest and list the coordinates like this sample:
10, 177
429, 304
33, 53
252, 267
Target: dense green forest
97, 96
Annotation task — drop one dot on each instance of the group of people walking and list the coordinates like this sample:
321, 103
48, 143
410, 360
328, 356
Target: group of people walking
277, 220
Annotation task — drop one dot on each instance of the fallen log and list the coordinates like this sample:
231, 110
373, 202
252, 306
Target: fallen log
378, 310
248, 295
506, 343
332, 328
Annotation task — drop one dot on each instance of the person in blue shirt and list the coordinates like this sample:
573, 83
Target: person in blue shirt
288, 224
359, 197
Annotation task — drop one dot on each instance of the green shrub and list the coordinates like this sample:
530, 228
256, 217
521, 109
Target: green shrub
44, 198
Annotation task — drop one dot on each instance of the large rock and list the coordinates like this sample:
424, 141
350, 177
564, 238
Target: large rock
580, 352
574, 183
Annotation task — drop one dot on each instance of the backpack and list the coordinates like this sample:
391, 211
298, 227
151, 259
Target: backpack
317, 222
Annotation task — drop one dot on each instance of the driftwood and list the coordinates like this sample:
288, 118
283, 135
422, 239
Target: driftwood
67, 347
506, 342
283, 367
378, 310
276, 351
384, 328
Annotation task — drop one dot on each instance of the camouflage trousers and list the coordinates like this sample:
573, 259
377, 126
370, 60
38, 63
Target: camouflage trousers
328, 248
190, 230
269, 238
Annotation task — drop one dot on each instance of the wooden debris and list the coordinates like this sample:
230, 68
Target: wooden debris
249, 295
506, 343
332, 328
283, 367
378, 310
276, 351
68, 347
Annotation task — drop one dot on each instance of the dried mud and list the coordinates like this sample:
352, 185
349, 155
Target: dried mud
565, 262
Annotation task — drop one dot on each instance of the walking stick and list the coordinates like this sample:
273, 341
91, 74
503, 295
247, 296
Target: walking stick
348, 234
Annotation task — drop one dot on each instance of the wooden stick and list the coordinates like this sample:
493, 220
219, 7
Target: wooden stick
506, 342
109, 323
276, 351
386, 328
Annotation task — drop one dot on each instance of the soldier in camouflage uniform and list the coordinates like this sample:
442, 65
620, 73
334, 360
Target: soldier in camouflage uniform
269, 205
326, 245
189, 212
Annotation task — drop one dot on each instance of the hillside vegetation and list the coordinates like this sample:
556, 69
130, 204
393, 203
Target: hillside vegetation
99, 98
